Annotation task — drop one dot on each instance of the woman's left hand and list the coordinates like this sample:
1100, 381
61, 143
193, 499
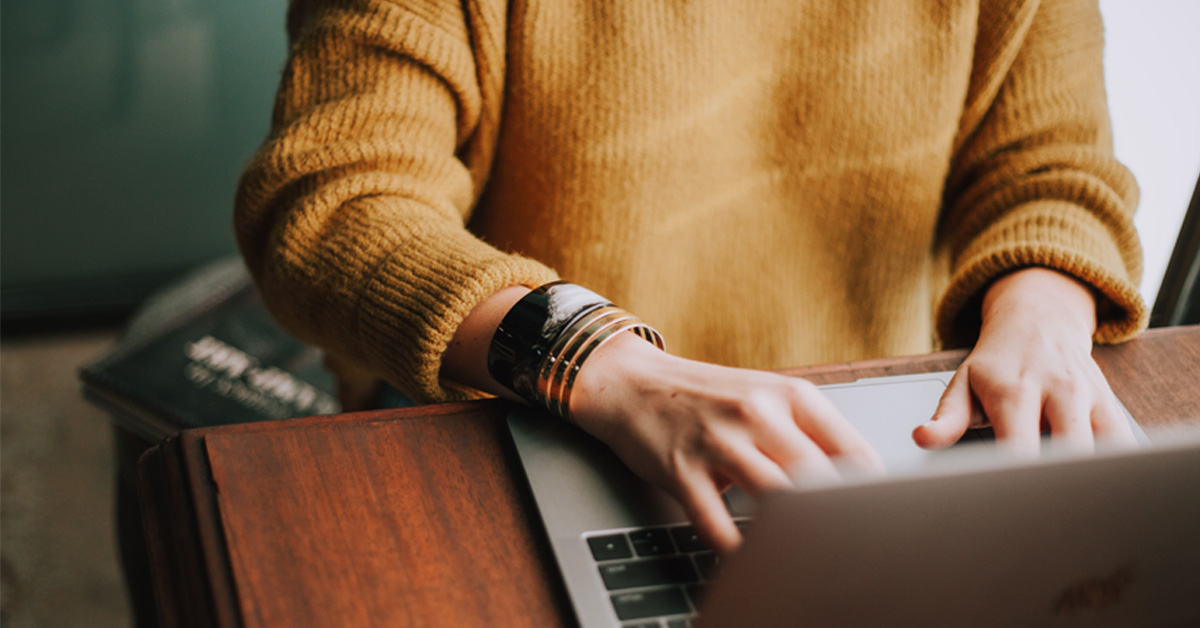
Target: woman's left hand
1032, 369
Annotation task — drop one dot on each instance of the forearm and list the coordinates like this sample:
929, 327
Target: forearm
351, 216
465, 359
1035, 183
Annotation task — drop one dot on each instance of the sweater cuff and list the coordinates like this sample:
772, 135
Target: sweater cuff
417, 300
1056, 235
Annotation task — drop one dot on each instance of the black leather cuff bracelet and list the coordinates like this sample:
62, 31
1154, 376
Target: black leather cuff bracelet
525, 335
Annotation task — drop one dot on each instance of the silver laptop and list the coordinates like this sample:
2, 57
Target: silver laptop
953, 538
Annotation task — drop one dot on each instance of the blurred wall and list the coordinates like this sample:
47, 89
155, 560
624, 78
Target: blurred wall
1150, 57
125, 124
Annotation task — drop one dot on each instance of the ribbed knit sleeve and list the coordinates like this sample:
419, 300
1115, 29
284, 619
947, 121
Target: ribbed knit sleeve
351, 216
1034, 181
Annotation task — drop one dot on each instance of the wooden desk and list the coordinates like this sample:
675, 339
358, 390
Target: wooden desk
414, 516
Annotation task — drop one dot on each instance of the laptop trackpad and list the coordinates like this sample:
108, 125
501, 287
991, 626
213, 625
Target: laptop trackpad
886, 411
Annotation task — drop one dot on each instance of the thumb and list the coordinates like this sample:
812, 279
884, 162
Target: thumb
952, 417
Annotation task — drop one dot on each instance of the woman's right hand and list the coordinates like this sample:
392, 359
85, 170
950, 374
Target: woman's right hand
694, 428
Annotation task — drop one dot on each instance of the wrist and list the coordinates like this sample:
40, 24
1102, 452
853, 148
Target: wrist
540, 346
1041, 296
465, 359
622, 367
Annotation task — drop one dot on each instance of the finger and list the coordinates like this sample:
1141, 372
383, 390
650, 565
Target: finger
795, 453
1110, 424
952, 417
1016, 414
786, 444
706, 510
1069, 416
749, 468
769, 420
826, 428
813, 468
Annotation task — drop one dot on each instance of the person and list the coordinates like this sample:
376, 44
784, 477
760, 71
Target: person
766, 185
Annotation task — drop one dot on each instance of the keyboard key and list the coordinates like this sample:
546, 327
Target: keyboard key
652, 603
652, 542
642, 624
687, 540
645, 573
709, 564
611, 547
695, 593
679, 623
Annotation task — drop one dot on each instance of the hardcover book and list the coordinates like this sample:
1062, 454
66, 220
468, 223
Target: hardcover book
208, 353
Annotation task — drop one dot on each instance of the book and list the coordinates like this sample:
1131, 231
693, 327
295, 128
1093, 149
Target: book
203, 353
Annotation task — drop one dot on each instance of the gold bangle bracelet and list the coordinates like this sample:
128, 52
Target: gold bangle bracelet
565, 357
563, 347
573, 357
595, 342
548, 383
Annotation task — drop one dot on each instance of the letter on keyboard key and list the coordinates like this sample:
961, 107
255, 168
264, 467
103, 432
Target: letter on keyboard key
650, 603
645, 573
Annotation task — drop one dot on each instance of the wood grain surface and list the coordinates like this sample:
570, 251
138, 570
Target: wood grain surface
414, 517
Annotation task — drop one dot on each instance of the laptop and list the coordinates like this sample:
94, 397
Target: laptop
953, 538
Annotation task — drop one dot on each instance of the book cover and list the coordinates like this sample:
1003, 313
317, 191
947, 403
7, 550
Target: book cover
221, 359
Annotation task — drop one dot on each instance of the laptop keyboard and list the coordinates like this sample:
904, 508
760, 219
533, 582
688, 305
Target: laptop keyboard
655, 577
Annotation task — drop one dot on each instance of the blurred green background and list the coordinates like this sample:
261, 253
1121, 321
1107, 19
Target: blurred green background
125, 124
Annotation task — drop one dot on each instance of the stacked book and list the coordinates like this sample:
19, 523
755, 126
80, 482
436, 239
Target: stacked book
206, 352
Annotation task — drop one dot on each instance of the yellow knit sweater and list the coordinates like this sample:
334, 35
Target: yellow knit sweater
769, 184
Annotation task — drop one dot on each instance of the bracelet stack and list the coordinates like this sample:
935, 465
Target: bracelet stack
544, 340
